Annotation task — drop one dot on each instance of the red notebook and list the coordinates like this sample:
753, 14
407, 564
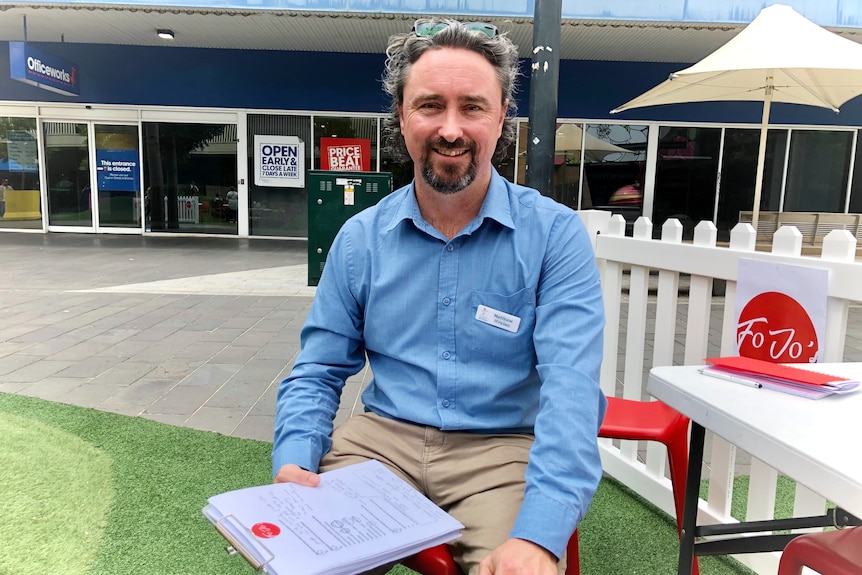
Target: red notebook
747, 365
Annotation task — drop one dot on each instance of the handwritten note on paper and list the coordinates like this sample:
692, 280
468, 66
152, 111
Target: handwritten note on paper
359, 517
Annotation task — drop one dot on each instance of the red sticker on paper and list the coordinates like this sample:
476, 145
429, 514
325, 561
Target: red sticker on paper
775, 327
265, 530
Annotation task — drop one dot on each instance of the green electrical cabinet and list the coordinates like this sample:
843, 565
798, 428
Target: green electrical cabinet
333, 197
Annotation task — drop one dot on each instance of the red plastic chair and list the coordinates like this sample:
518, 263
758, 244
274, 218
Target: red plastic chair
827, 552
654, 421
438, 561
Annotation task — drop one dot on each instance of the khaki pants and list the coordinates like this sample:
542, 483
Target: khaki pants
477, 478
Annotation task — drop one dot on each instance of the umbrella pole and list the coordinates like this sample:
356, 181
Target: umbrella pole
761, 152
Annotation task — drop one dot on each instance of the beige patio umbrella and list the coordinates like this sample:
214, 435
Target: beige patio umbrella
782, 57
570, 139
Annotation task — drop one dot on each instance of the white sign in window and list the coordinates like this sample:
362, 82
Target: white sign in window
279, 161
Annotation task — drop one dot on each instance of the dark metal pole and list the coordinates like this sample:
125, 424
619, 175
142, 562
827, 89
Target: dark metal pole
544, 84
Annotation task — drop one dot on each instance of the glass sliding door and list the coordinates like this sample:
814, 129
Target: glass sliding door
118, 177
189, 170
67, 174
93, 177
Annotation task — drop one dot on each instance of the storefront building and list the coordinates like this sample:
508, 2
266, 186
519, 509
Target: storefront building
157, 137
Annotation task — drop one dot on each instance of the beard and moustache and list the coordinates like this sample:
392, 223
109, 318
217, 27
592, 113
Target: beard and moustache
450, 178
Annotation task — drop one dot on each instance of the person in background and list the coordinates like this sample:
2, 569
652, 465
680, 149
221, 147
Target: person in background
232, 197
4, 187
477, 303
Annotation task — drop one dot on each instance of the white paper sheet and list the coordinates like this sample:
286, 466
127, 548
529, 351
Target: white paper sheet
359, 517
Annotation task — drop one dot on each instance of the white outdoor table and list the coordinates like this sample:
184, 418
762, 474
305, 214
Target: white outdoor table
814, 442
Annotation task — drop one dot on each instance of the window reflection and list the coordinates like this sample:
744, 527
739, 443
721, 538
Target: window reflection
187, 167
817, 171
278, 211
738, 173
595, 166
20, 202
686, 175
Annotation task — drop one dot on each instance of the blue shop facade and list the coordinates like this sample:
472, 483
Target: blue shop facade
168, 139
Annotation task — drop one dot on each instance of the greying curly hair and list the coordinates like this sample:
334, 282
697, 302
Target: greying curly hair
403, 51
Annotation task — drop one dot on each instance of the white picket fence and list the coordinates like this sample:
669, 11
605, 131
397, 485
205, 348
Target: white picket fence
643, 331
188, 209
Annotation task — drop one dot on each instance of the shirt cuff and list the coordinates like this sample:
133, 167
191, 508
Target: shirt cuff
297, 452
545, 522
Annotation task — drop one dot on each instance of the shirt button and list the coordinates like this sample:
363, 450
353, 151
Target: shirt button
446, 355
445, 403
450, 248
446, 301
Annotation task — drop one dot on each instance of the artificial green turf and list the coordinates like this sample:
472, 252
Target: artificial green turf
161, 476
55, 498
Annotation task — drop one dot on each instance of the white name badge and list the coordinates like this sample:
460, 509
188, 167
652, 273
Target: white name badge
499, 319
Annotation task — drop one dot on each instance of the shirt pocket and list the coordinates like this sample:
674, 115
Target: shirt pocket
498, 342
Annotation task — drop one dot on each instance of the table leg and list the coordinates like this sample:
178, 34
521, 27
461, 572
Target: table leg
692, 494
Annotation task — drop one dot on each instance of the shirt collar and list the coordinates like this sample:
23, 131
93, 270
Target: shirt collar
496, 206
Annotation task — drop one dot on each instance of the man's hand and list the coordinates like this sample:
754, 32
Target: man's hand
295, 474
519, 557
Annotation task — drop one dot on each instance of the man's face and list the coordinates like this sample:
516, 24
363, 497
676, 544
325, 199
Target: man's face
451, 118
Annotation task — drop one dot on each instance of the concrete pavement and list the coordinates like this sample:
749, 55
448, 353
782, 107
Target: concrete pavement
195, 332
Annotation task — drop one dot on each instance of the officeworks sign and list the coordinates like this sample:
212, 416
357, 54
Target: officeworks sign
33, 66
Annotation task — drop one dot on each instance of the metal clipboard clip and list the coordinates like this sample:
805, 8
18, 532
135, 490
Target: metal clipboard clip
257, 554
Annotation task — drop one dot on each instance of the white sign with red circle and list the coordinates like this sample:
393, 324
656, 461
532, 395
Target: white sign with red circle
781, 311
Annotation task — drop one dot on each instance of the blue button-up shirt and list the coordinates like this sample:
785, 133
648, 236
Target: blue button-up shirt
398, 290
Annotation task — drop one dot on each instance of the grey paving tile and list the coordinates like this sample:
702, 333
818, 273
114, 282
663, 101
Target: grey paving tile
122, 408
142, 392
266, 403
181, 400
53, 387
219, 419
90, 394
36, 371
40, 335
17, 327
253, 338
282, 351
238, 395
153, 332
90, 367
240, 322
168, 418
260, 370
223, 334
174, 369
270, 325
126, 348
125, 373
259, 427
11, 347
13, 387
156, 352
211, 375
234, 354
80, 351
203, 350
50, 347
15, 362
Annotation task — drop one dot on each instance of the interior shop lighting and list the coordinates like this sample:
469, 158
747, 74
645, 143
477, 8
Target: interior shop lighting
165, 34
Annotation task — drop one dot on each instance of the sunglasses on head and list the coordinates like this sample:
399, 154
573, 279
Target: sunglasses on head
430, 29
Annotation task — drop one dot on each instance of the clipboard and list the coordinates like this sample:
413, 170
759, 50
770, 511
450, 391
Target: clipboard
238, 545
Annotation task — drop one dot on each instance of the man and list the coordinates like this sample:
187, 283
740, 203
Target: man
477, 303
